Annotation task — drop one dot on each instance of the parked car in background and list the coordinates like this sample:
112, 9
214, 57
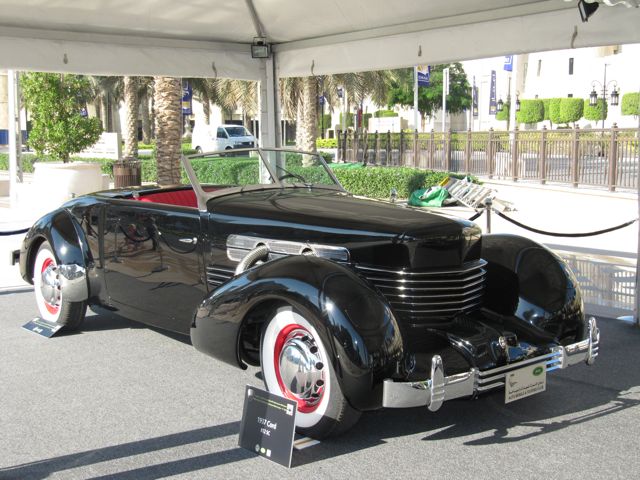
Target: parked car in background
346, 304
224, 137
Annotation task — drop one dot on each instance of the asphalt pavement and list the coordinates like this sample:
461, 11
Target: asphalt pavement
122, 401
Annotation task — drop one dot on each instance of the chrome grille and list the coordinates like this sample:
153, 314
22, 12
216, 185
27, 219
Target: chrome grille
429, 293
217, 275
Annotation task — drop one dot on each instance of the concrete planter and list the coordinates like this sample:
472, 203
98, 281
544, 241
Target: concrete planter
57, 182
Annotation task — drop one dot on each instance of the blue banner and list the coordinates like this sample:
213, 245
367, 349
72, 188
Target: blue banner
187, 96
424, 75
508, 63
493, 105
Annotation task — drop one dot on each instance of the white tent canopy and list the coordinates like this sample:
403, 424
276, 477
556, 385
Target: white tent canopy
211, 37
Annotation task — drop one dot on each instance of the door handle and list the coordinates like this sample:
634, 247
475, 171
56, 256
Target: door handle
192, 241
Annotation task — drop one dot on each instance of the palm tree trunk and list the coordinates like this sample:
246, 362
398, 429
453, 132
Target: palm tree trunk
308, 122
206, 107
168, 113
131, 108
146, 119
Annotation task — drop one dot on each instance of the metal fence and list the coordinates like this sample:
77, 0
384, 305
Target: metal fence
595, 157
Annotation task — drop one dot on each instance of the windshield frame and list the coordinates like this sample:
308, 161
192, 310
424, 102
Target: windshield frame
203, 196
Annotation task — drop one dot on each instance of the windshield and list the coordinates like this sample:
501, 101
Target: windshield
213, 174
237, 131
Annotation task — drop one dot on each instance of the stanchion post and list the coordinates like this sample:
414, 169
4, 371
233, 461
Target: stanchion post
388, 160
447, 150
432, 148
488, 203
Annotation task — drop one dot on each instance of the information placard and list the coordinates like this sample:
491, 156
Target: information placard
268, 425
42, 327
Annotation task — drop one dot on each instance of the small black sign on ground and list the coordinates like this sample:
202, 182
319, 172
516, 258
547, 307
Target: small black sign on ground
268, 425
42, 327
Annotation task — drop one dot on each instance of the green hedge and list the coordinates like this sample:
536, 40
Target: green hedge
377, 182
531, 111
385, 113
597, 112
326, 143
630, 104
571, 110
374, 182
503, 115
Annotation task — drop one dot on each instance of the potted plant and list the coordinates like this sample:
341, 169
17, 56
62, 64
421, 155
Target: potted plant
60, 128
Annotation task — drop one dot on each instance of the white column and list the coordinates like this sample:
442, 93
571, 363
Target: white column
15, 135
269, 104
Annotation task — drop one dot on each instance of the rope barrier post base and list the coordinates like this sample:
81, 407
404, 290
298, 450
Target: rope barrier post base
488, 204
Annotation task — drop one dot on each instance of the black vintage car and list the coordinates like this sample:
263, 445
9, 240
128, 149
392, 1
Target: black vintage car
347, 304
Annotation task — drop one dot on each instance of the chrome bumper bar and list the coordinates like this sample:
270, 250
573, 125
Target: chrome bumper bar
434, 391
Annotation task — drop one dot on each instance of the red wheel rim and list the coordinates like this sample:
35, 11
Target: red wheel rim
52, 309
304, 405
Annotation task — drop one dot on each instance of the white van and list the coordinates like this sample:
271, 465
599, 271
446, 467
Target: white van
224, 137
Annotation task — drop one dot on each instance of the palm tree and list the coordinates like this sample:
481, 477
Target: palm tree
131, 108
231, 94
300, 95
107, 92
168, 116
145, 97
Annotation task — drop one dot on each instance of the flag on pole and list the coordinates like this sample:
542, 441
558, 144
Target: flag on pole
508, 63
493, 105
424, 75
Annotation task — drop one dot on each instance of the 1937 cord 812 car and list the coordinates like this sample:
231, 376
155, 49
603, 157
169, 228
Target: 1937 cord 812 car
346, 304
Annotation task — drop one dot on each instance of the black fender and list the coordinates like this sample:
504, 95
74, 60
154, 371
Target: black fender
527, 281
354, 321
65, 236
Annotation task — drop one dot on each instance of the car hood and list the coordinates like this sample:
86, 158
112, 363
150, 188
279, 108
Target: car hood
375, 232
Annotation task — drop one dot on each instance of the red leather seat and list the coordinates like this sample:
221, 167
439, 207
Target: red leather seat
184, 198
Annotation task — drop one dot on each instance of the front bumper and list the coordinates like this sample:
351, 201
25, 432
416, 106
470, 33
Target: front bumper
434, 391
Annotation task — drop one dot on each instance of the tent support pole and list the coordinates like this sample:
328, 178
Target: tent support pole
269, 105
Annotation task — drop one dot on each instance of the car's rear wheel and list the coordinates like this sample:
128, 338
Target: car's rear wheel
49, 297
198, 150
296, 365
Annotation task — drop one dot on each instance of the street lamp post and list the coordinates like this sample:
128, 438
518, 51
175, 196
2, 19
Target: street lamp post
615, 93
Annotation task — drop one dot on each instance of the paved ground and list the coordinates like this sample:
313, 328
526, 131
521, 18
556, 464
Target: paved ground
122, 401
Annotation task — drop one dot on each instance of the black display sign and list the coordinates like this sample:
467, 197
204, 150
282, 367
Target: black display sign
42, 327
268, 425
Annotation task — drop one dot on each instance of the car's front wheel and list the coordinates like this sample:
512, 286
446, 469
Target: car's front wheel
49, 297
296, 365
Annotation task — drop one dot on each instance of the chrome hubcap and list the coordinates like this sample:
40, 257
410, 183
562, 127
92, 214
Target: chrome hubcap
50, 285
301, 367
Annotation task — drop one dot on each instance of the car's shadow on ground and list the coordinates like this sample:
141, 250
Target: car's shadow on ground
577, 395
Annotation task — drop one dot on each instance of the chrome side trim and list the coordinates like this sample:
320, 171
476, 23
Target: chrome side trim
239, 246
73, 282
434, 391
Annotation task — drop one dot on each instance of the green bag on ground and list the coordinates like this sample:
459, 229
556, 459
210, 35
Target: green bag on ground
424, 197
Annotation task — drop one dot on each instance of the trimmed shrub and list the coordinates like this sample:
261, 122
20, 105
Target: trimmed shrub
385, 113
545, 102
531, 111
326, 143
597, 112
571, 110
504, 114
554, 110
377, 182
630, 104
